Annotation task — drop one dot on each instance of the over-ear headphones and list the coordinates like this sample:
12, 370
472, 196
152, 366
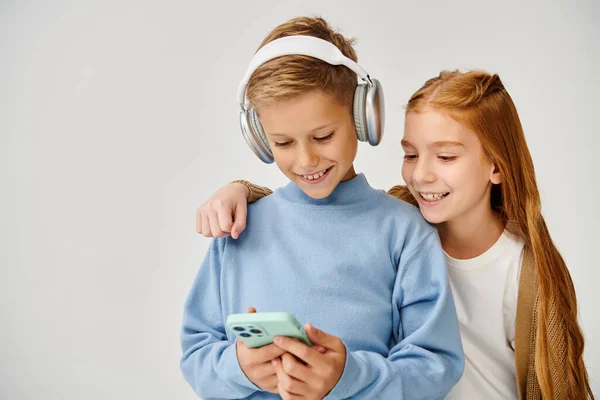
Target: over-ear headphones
368, 106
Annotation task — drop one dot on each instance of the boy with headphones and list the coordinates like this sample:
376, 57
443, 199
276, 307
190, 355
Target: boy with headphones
365, 268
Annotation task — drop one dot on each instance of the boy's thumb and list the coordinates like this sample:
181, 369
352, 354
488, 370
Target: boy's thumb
318, 337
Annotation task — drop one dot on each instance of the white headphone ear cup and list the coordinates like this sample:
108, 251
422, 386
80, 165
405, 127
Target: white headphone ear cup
369, 112
258, 130
358, 110
374, 110
254, 135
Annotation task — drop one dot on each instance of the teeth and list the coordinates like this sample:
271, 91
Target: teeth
432, 196
315, 176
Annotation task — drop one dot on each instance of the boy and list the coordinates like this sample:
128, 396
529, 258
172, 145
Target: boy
327, 248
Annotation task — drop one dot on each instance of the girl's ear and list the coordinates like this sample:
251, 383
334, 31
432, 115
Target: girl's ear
495, 177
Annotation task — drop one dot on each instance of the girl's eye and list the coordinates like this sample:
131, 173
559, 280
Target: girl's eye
324, 138
410, 157
447, 158
282, 144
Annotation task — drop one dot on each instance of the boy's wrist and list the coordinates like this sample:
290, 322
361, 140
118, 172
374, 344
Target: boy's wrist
232, 371
248, 186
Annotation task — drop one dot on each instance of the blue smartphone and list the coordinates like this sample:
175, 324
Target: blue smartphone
259, 329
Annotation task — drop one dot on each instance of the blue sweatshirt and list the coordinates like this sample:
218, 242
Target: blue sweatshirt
357, 264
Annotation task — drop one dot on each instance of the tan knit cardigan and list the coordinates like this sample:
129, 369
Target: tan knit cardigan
525, 332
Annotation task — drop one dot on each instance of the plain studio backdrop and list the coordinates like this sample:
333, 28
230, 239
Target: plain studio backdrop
119, 119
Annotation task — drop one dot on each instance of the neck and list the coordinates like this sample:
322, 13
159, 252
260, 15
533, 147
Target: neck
349, 174
471, 234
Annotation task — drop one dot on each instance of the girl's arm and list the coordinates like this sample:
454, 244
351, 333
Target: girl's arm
255, 192
224, 213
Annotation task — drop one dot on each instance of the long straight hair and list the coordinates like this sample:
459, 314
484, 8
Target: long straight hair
480, 102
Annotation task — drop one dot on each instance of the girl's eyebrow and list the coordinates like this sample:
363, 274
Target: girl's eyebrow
446, 143
443, 143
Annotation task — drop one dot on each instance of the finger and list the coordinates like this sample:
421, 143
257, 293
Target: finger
319, 337
225, 217
270, 381
300, 350
199, 218
294, 368
289, 387
215, 228
252, 359
285, 395
239, 217
271, 385
251, 310
205, 230
266, 353
263, 371
320, 349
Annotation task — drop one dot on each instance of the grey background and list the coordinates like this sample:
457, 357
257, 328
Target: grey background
118, 119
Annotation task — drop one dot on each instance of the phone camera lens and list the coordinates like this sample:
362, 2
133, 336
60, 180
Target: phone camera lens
244, 334
257, 331
238, 328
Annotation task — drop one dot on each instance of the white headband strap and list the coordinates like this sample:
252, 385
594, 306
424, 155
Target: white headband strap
298, 45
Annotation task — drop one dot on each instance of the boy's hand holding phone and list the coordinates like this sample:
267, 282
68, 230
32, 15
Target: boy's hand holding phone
256, 363
303, 371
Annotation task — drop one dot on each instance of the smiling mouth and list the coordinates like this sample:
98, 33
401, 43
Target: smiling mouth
433, 197
316, 175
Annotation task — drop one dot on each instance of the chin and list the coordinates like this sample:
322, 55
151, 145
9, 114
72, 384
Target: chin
317, 193
432, 218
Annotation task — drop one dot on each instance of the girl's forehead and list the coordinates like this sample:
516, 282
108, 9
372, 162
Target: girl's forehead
436, 129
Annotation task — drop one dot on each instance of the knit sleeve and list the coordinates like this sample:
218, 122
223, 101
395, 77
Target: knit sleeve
255, 192
402, 193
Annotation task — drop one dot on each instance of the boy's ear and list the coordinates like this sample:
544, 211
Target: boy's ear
495, 176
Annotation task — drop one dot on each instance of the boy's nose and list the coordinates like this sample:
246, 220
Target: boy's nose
307, 159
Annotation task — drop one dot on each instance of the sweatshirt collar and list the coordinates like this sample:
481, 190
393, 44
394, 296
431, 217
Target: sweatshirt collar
354, 191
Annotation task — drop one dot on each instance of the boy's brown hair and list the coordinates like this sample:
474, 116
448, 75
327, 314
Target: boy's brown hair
289, 76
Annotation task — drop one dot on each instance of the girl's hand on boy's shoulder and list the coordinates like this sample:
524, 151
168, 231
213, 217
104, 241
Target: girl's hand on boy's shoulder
306, 372
224, 213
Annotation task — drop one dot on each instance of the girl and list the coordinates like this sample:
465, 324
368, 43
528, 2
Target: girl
468, 169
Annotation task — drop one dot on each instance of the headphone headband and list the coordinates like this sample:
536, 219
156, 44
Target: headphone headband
298, 45
368, 109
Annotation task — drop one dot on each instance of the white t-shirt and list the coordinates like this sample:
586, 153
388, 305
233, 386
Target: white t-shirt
485, 290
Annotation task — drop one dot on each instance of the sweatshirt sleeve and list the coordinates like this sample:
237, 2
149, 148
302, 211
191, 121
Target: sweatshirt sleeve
427, 360
209, 360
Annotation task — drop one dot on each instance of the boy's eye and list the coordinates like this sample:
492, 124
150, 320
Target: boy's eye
324, 138
282, 144
410, 157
